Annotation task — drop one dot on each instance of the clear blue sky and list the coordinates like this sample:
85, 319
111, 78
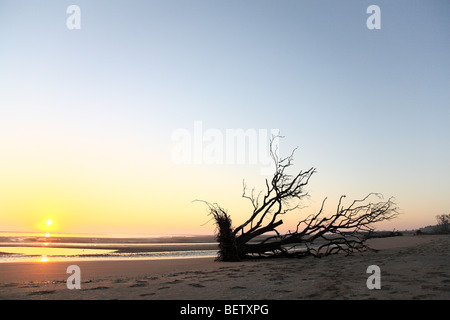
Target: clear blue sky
370, 109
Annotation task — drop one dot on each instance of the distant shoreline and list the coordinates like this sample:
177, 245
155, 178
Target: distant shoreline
32, 247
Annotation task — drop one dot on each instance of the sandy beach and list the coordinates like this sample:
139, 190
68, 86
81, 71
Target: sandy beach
412, 267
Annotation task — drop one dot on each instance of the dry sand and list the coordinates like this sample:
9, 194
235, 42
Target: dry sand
412, 267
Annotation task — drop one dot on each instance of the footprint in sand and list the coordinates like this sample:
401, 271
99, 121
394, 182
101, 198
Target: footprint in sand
173, 282
138, 285
147, 294
8, 285
98, 288
39, 293
282, 291
29, 286
119, 281
196, 285
235, 275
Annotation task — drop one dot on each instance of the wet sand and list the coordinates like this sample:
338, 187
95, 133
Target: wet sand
412, 267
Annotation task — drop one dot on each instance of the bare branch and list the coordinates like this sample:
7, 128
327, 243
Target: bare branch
346, 230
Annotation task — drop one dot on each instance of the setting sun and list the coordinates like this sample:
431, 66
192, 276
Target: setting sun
46, 224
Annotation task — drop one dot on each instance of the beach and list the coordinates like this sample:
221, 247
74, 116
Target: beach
412, 267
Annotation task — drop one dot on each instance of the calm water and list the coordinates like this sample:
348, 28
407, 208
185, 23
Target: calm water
27, 247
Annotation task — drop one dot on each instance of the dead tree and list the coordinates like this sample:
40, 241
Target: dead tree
346, 230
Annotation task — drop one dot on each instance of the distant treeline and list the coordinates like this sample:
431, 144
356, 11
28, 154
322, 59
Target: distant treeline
385, 234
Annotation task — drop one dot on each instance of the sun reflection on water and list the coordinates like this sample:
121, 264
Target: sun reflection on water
44, 258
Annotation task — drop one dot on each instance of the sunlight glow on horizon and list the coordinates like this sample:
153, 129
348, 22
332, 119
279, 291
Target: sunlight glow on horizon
88, 150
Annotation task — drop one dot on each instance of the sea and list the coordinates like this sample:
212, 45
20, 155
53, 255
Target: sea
46, 247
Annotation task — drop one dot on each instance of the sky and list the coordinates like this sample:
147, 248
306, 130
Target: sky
96, 108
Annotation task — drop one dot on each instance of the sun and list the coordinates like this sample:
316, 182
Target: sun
47, 224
